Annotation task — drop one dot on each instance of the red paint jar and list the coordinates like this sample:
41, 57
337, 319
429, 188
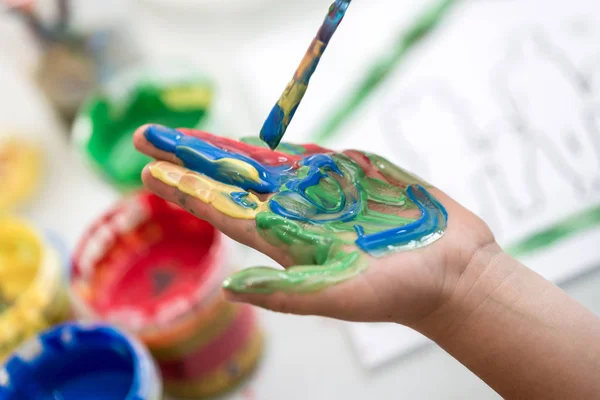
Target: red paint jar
155, 270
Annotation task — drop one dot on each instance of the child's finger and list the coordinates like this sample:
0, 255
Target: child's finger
332, 300
197, 154
143, 141
228, 208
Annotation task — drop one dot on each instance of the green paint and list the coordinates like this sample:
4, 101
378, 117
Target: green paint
325, 261
326, 253
395, 173
112, 123
579, 223
382, 69
302, 278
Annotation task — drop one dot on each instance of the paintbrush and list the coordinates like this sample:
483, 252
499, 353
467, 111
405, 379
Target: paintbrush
282, 113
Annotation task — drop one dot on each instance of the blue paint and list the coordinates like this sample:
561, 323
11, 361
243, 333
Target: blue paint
315, 174
201, 156
277, 121
273, 128
241, 198
306, 209
73, 362
332, 20
433, 219
163, 138
291, 199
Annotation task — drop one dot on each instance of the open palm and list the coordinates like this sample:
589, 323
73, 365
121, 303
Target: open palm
340, 223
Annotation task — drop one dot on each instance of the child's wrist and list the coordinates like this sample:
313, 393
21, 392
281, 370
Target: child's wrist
487, 272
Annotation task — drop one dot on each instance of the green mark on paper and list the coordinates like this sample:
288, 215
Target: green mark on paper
382, 69
568, 227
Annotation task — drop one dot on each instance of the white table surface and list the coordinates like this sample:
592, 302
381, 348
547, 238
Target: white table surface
306, 357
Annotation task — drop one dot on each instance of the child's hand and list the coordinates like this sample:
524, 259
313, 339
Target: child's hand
360, 238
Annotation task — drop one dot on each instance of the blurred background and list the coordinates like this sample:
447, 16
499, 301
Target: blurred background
496, 102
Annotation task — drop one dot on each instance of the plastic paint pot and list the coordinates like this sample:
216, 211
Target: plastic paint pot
33, 290
20, 167
156, 270
78, 361
105, 124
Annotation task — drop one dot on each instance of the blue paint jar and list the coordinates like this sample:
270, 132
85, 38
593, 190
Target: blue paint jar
80, 361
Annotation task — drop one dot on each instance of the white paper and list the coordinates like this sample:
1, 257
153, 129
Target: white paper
500, 108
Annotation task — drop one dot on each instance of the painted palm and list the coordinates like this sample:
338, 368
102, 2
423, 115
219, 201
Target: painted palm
331, 210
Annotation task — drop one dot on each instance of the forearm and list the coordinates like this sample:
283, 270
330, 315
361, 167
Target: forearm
521, 334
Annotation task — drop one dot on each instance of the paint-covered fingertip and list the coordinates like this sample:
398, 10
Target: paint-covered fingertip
257, 280
232, 286
163, 138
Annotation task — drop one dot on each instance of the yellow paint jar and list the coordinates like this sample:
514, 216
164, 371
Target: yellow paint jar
20, 167
33, 294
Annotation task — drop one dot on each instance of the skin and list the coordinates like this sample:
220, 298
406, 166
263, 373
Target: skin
518, 332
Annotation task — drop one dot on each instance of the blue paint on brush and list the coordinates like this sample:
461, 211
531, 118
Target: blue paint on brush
280, 116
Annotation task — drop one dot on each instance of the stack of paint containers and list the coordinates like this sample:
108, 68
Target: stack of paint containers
33, 291
78, 361
155, 270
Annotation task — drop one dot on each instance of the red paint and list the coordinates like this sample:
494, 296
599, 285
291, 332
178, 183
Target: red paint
365, 163
263, 155
206, 359
167, 256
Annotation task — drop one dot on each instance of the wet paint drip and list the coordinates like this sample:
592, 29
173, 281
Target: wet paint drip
282, 113
323, 206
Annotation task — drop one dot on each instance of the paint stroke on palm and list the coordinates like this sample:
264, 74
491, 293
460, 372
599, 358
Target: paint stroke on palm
323, 206
282, 113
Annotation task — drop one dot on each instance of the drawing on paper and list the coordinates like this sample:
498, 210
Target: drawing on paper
542, 128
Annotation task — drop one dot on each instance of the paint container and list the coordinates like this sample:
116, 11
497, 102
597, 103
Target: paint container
103, 129
33, 291
20, 170
79, 361
156, 270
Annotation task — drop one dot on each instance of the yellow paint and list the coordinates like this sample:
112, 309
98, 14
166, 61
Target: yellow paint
33, 295
205, 189
20, 166
188, 98
291, 98
296, 88
315, 51
238, 166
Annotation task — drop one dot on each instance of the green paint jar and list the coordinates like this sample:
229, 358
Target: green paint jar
103, 130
